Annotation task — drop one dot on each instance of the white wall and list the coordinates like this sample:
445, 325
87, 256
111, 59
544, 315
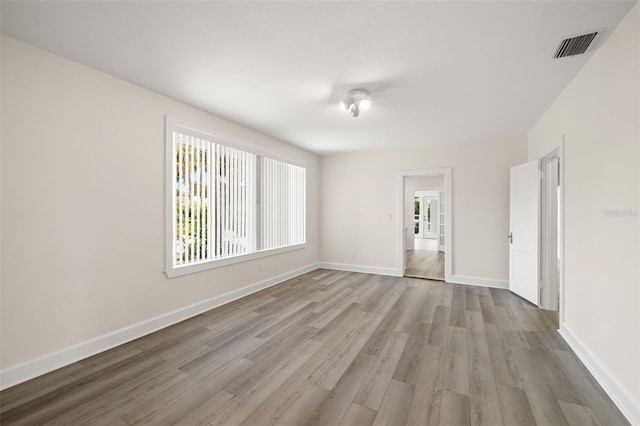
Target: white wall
412, 184
599, 116
358, 204
83, 206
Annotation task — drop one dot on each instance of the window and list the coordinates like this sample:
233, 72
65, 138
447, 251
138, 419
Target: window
228, 202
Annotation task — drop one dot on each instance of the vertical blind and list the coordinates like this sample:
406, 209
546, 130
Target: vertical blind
283, 208
221, 201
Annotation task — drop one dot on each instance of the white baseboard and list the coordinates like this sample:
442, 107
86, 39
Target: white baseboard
482, 282
618, 393
359, 268
35, 367
456, 279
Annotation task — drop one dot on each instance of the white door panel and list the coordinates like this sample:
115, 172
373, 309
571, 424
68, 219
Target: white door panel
524, 231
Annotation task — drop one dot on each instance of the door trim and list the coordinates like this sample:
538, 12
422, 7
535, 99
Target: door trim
401, 251
559, 152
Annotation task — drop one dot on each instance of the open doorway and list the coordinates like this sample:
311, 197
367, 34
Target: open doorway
424, 232
550, 234
425, 256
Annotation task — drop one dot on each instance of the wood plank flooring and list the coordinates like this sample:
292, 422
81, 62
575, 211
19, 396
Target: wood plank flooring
332, 348
425, 264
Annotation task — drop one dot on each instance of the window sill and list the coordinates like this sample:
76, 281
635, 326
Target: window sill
177, 271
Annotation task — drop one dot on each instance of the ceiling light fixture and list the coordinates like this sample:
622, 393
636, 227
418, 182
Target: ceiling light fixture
354, 101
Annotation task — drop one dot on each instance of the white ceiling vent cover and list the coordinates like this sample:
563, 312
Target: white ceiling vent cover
577, 45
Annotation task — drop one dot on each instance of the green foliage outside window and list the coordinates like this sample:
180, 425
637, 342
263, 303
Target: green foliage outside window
192, 193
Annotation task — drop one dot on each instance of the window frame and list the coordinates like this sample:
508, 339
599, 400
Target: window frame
171, 125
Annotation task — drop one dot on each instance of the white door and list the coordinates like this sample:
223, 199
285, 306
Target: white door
524, 231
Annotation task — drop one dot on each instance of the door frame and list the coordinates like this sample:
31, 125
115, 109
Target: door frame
401, 251
558, 152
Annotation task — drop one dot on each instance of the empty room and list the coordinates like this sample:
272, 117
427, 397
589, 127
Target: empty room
320, 213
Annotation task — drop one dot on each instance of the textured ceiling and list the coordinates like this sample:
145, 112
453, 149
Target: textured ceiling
438, 72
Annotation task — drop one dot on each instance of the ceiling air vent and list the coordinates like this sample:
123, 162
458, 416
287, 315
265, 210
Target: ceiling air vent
576, 45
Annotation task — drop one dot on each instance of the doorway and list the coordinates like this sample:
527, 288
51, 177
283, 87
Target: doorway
425, 257
536, 233
550, 234
424, 229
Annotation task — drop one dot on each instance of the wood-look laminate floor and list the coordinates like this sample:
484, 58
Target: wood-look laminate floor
425, 264
332, 348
